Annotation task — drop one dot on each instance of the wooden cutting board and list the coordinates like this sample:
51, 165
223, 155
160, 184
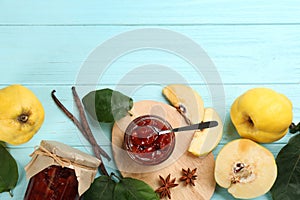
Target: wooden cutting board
180, 158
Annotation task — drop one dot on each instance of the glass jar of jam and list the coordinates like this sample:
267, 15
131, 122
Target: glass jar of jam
53, 183
144, 145
59, 172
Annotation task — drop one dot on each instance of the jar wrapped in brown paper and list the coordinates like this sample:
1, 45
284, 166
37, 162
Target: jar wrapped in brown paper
58, 171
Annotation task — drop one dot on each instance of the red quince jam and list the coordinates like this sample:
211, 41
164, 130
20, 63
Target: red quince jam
144, 145
53, 183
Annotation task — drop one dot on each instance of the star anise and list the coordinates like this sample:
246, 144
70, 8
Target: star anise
166, 185
189, 176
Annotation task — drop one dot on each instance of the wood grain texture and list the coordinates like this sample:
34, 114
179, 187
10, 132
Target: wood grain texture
148, 12
57, 125
241, 54
43, 45
179, 159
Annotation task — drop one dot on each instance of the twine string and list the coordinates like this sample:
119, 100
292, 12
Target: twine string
63, 162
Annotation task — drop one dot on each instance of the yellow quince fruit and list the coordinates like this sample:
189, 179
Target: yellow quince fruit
262, 115
21, 114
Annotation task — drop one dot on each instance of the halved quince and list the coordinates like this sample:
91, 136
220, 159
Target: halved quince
204, 141
186, 100
246, 168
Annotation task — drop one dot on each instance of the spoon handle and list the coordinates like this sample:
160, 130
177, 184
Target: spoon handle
200, 126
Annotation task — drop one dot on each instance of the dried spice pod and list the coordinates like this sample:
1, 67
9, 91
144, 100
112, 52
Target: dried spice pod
84, 128
166, 185
189, 176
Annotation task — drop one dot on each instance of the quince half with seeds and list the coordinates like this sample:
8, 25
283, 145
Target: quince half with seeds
21, 114
246, 168
262, 115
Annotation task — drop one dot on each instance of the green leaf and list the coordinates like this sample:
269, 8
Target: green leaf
105, 188
2, 144
107, 105
8, 171
287, 184
102, 188
133, 189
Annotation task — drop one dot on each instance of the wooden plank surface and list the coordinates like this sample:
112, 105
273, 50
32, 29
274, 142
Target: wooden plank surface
43, 55
44, 46
58, 127
64, 128
148, 12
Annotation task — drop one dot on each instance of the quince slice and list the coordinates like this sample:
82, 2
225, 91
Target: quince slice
246, 168
186, 100
204, 141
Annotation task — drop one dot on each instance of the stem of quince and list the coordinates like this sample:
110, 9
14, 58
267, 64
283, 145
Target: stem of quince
114, 175
294, 128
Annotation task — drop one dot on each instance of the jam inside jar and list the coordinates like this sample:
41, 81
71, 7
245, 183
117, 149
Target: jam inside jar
144, 145
53, 183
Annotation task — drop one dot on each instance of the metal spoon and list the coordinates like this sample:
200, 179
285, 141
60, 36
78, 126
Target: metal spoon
200, 126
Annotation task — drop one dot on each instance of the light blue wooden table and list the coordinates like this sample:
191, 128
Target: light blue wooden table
45, 45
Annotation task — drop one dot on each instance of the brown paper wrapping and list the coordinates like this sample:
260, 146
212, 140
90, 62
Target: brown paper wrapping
56, 153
